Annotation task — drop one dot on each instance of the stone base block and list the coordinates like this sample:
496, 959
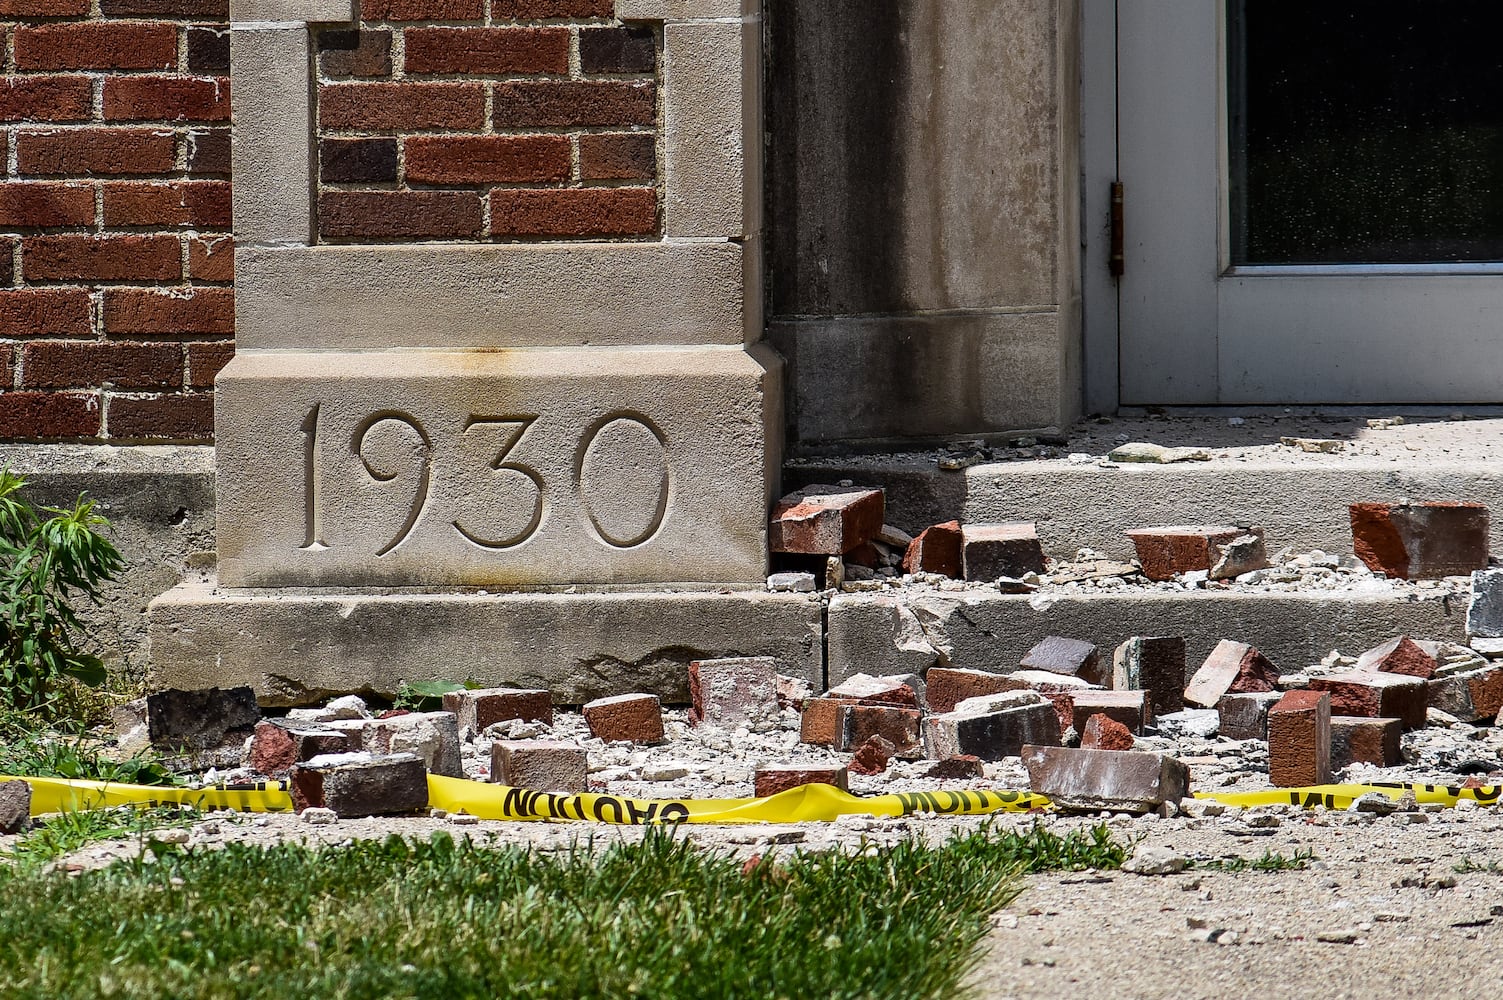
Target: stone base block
298, 647
510, 469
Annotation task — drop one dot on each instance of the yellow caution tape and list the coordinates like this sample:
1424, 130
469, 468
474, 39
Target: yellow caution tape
806, 803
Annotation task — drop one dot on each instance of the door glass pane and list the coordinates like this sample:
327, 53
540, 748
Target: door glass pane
1365, 131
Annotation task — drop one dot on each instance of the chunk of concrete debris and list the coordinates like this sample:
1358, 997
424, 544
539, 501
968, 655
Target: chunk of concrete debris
1397, 656
1102, 732
1421, 541
350, 706
792, 691
771, 779
319, 816
899, 726
1196, 722
479, 709
1470, 696
278, 744
797, 583
361, 784
1367, 741
1245, 716
1128, 708
15, 807
734, 691
894, 537
872, 756
1376, 696
1484, 611
1313, 446
825, 520
1148, 860
1155, 664
961, 767
541, 765
1232, 668
1166, 551
626, 718
989, 551
1072, 657
937, 549
199, 720
1092, 780
1147, 453
1299, 740
432, 736
993, 727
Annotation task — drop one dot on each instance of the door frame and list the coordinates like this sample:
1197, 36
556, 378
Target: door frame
1101, 346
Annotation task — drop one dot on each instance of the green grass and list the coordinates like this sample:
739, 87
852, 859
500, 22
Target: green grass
52, 755
445, 919
1271, 861
1466, 866
56, 836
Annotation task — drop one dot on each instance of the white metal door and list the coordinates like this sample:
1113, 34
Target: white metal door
1198, 327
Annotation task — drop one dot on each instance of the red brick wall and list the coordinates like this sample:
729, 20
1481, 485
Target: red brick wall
116, 305
487, 120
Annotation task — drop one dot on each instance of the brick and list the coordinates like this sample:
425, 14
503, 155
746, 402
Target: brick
1376, 696
618, 156
211, 259
63, 364
46, 99
1421, 541
135, 312
15, 807
1299, 740
422, 10
1222, 551
361, 53
825, 520
387, 785
872, 756
486, 51
44, 8
864, 689
487, 159
1102, 732
96, 45
399, 214
1072, 657
182, 9
1245, 716
566, 103
1155, 664
199, 204
540, 765
961, 767
400, 107
949, 686
617, 50
480, 709
992, 727
819, 721
1232, 668
199, 719
540, 9
1130, 708
936, 549
208, 152
357, 161
205, 360
574, 212
103, 152
167, 98
278, 745
1368, 741
734, 691
208, 48
989, 551
1471, 696
101, 258
31, 205
165, 418
432, 736
771, 779
1095, 780
1397, 656
855, 724
46, 416
626, 718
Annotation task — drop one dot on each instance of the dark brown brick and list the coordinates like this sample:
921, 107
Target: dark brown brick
45, 312
1299, 740
170, 418
563, 103
487, 50
134, 312
96, 45
46, 99
211, 259
167, 98
422, 10
400, 107
620, 156
1421, 541
63, 364
205, 361
44, 8
201, 204
27, 205
209, 152
617, 50
532, 10
46, 416
101, 258
399, 214
486, 159
357, 161
208, 48
7, 366
7, 261
355, 53
103, 152
166, 8
574, 212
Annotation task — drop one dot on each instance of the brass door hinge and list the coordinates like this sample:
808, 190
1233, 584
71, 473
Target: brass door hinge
1117, 260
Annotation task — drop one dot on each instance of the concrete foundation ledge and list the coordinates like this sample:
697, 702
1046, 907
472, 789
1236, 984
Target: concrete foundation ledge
297, 647
888, 634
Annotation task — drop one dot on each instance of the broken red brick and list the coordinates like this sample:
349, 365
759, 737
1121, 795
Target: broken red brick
1092, 780
1010, 549
277, 745
1164, 552
361, 785
1102, 732
1072, 657
1368, 741
1470, 695
1245, 716
1397, 656
478, 710
936, 549
1155, 664
1128, 708
1376, 696
864, 689
899, 726
774, 778
541, 765
961, 767
626, 718
1299, 740
1232, 668
946, 687
733, 691
993, 727
825, 520
873, 755
1421, 541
